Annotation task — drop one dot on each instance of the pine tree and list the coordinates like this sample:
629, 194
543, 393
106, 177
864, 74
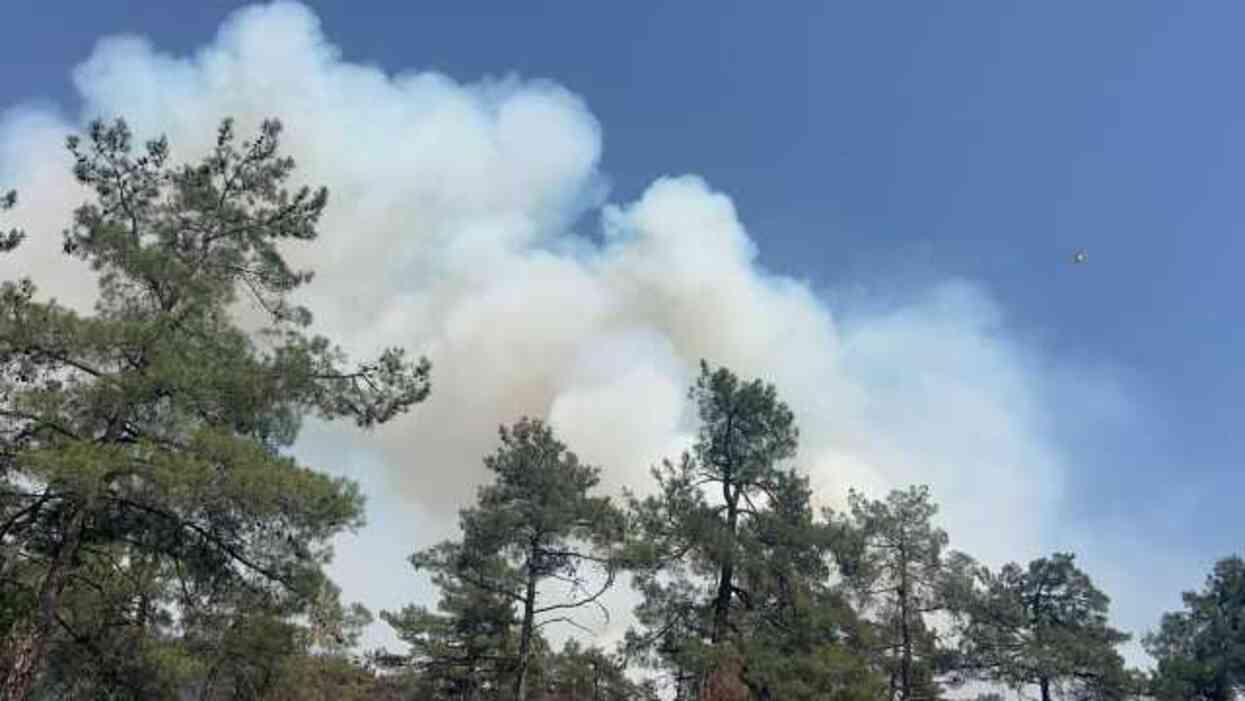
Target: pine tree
1201, 649
730, 562
466, 649
1044, 626
147, 439
537, 522
900, 575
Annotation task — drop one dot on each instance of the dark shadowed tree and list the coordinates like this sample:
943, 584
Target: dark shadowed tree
12, 238
1201, 650
146, 441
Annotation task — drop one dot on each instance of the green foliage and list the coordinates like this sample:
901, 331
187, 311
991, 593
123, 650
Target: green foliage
328, 677
536, 522
1201, 650
467, 648
141, 446
899, 574
1045, 625
730, 561
589, 674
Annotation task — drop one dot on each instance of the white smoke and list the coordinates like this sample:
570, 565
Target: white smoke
449, 233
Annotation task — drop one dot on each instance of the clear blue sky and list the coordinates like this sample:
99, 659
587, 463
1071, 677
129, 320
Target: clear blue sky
984, 139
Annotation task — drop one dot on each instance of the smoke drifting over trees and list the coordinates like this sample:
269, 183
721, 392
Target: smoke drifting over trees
154, 492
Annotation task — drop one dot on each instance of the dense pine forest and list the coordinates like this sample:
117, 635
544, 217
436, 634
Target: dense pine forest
158, 541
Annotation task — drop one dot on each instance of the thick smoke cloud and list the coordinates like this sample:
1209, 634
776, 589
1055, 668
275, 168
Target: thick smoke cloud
449, 232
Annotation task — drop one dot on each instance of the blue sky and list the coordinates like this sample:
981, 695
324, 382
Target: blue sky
875, 148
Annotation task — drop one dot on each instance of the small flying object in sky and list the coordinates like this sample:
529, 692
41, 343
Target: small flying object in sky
1080, 257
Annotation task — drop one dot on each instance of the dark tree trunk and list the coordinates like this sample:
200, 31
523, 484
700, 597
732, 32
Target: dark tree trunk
905, 661
722, 603
525, 637
28, 639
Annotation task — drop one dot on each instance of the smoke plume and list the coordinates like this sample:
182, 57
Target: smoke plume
450, 231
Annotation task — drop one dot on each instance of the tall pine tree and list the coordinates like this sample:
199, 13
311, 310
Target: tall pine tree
535, 523
730, 562
146, 441
900, 577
